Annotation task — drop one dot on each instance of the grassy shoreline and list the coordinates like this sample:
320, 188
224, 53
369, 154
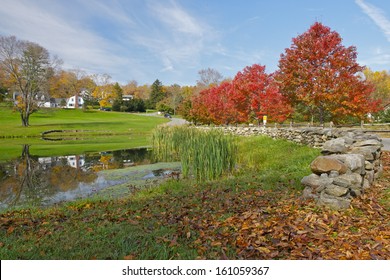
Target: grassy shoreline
257, 213
97, 131
151, 223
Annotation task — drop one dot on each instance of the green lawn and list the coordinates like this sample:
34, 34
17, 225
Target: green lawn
97, 122
255, 213
163, 222
97, 131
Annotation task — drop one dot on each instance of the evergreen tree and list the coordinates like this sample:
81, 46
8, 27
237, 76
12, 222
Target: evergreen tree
118, 91
156, 95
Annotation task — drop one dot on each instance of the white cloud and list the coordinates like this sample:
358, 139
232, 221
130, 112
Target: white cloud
243, 25
70, 40
177, 19
109, 10
125, 39
71, 32
378, 58
377, 15
172, 35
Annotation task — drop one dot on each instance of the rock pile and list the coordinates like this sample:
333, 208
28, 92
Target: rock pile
349, 165
350, 162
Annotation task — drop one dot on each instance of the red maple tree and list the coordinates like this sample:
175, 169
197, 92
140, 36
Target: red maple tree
221, 105
251, 95
321, 76
214, 105
199, 112
256, 95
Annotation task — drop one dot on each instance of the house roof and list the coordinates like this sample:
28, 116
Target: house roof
57, 100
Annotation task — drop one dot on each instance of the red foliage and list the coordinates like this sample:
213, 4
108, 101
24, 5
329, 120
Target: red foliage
319, 72
199, 111
251, 95
256, 94
221, 104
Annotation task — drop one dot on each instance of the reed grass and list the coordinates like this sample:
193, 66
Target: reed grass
205, 154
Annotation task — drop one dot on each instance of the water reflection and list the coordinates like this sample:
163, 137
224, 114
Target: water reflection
34, 180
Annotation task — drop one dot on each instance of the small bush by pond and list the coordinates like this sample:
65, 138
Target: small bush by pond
204, 154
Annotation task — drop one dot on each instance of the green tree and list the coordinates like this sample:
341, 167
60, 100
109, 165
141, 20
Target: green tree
133, 105
156, 95
118, 91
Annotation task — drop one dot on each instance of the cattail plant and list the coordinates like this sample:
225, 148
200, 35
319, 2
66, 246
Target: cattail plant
205, 154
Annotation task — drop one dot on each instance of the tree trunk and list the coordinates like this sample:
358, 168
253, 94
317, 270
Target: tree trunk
25, 118
76, 102
322, 115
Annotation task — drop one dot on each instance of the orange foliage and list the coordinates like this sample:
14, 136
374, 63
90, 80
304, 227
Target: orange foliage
317, 71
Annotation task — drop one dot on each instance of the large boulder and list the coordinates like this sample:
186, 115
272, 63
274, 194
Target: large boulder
352, 180
370, 176
334, 202
336, 146
354, 162
335, 190
369, 142
369, 152
316, 182
326, 164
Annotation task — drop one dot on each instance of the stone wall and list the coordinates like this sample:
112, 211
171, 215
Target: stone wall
349, 164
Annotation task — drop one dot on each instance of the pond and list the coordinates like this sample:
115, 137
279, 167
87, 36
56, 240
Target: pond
42, 181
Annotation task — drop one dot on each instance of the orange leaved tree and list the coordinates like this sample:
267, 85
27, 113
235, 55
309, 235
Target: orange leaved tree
321, 77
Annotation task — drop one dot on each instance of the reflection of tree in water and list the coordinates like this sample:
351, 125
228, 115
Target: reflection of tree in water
106, 161
8, 185
66, 178
28, 181
118, 159
137, 156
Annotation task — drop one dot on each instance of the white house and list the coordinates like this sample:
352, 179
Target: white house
127, 97
72, 102
76, 161
41, 99
58, 102
44, 100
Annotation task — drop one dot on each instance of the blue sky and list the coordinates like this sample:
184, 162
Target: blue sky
171, 40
